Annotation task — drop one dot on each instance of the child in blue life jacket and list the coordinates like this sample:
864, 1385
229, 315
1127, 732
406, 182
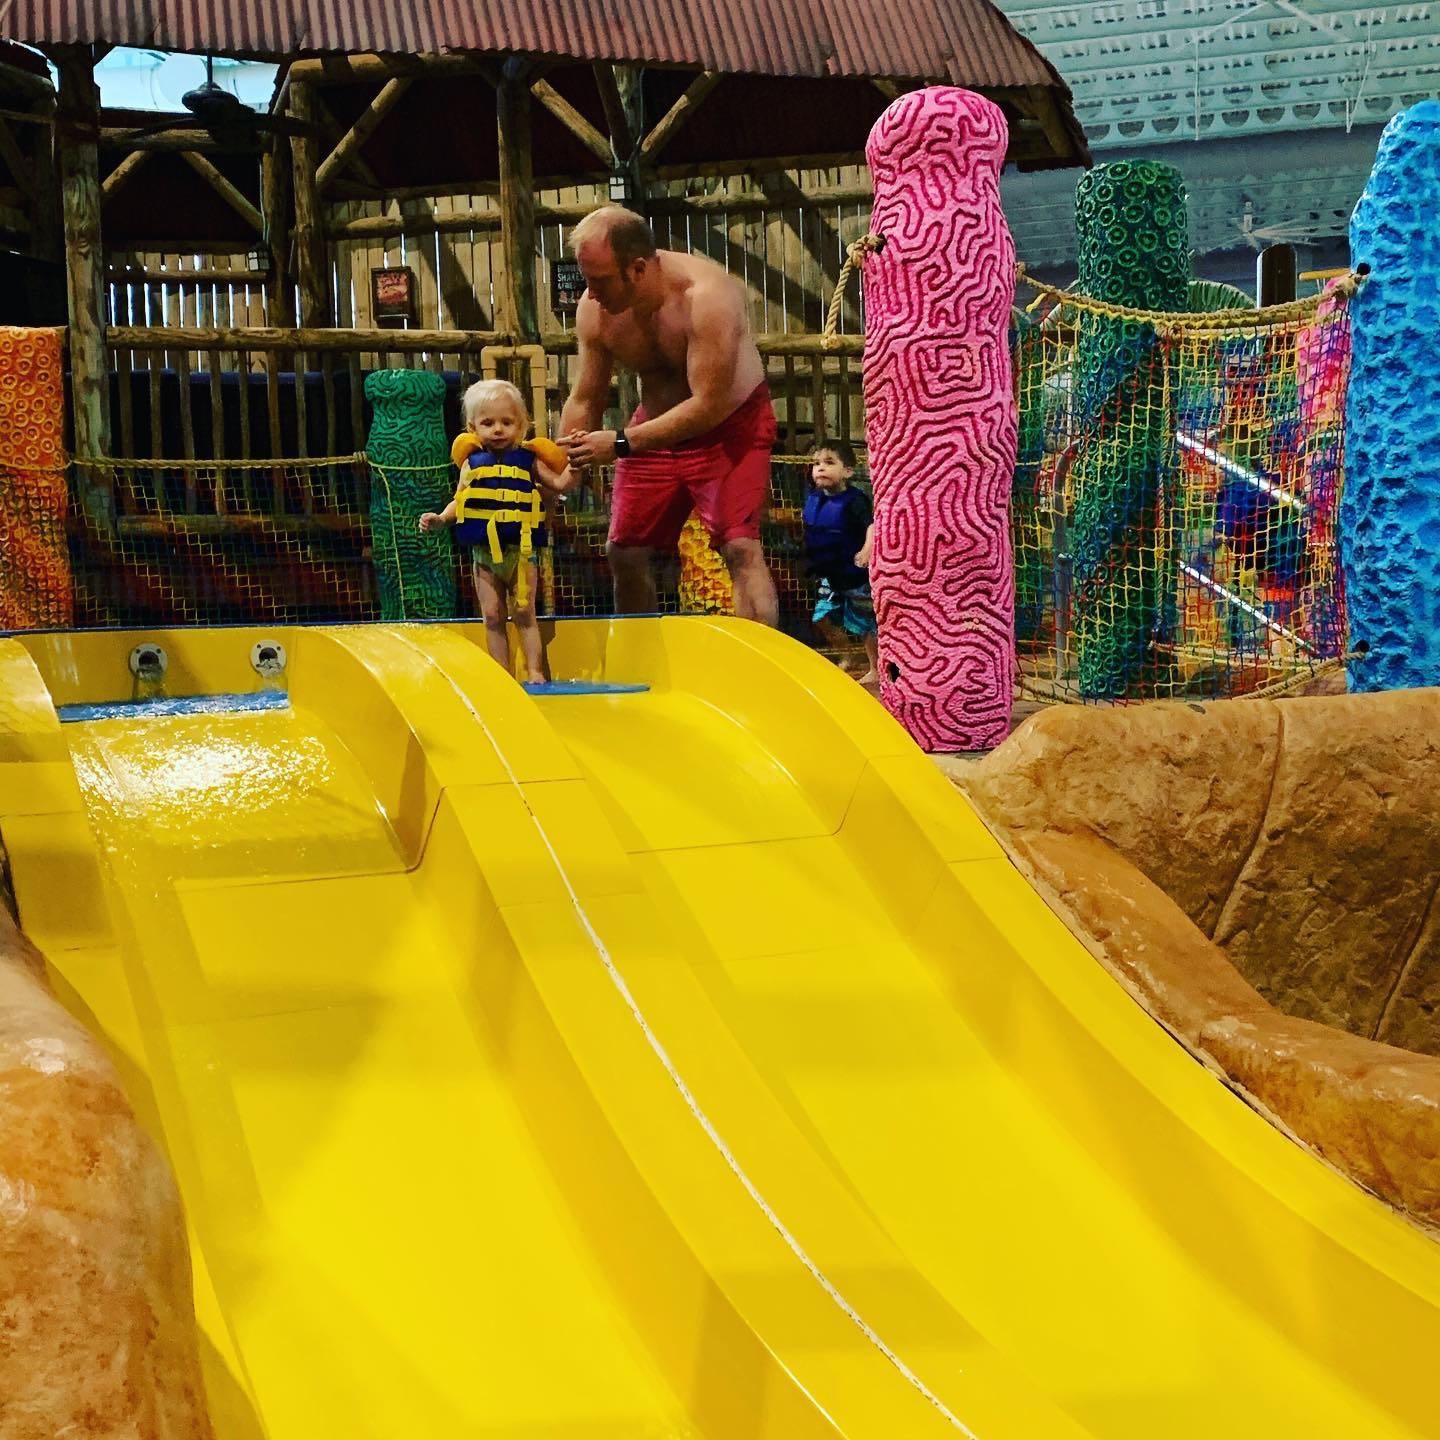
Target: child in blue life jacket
839, 536
499, 514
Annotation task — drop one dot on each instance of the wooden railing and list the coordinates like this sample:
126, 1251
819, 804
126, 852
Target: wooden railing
223, 393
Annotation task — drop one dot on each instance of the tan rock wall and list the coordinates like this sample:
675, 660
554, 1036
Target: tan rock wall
97, 1329
1302, 836
1263, 877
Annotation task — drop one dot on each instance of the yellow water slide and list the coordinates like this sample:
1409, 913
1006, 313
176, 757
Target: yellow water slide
676, 1057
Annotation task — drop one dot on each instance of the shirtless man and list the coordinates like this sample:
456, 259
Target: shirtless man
702, 436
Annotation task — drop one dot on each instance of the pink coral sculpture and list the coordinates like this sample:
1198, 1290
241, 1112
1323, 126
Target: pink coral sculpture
941, 419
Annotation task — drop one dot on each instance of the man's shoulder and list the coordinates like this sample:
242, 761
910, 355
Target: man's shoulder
707, 285
589, 319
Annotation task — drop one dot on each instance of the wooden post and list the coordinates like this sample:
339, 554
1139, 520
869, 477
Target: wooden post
517, 202
275, 209
629, 84
309, 242
617, 116
77, 128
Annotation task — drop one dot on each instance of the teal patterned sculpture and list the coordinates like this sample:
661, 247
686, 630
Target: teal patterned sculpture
1134, 250
410, 474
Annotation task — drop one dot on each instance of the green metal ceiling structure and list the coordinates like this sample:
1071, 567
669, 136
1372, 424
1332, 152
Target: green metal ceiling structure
1271, 108
1148, 71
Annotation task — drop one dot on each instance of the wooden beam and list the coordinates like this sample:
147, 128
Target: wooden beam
275, 209
309, 242
346, 69
562, 342
264, 338
1042, 107
206, 170
769, 165
150, 275
132, 139
517, 203
784, 196
359, 167
572, 120
123, 171
457, 222
280, 101
677, 115
364, 127
622, 138
18, 165
22, 82
77, 120
29, 117
454, 187
629, 80
462, 221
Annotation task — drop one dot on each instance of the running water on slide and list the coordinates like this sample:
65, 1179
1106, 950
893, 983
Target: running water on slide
887, 1153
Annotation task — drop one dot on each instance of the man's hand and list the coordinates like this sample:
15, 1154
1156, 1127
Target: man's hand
594, 447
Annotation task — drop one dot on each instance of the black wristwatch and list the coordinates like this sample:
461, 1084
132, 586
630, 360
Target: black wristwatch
622, 445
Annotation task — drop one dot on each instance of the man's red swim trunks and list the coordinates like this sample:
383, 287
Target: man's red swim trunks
723, 475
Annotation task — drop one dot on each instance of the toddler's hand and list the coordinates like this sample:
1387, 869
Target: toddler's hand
862, 556
429, 521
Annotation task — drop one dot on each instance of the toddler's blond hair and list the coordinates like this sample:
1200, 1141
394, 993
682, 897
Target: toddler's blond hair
490, 392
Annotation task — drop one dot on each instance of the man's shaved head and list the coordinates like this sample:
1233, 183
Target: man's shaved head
628, 236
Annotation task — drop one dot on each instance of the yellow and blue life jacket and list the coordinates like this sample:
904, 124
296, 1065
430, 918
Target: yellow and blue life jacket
498, 503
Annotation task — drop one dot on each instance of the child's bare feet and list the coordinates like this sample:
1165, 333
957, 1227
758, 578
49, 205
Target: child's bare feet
869, 678
536, 678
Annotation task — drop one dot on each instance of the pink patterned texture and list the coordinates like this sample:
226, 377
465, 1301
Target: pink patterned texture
940, 418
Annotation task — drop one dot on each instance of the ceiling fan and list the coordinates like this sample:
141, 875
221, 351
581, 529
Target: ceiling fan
1280, 232
232, 123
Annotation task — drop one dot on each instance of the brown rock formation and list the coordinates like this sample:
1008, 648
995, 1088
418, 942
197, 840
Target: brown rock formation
97, 1329
1261, 874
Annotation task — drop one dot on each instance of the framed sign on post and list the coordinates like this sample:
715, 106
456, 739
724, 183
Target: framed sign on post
567, 285
392, 295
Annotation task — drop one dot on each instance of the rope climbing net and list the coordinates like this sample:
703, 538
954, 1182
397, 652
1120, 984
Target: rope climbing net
187, 542
1175, 497
201, 542
1174, 517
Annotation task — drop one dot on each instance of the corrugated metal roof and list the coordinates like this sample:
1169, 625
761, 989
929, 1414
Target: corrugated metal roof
968, 42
